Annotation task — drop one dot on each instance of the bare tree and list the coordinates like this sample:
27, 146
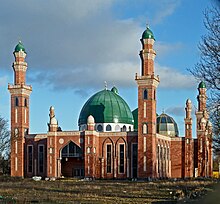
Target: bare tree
208, 68
4, 145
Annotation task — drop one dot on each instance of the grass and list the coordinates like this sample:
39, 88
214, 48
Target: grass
15, 190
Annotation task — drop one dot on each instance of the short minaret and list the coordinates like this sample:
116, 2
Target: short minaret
53, 125
189, 147
91, 123
20, 93
147, 84
201, 120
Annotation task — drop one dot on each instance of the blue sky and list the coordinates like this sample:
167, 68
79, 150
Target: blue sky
74, 46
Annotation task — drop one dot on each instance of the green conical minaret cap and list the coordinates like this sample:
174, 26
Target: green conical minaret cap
202, 85
114, 89
19, 47
148, 34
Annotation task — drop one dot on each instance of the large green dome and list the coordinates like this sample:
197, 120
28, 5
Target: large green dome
106, 107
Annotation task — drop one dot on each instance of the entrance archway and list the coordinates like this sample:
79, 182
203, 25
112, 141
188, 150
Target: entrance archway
72, 163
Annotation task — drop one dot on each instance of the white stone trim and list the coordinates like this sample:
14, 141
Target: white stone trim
16, 115
16, 147
145, 108
145, 163
16, 163
25, 115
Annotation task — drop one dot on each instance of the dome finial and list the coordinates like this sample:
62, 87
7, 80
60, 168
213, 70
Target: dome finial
147, 24
105, 85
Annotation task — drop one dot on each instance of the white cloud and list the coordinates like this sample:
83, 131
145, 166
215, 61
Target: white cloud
171, 78
176, 111
163, 48
79, 44
165, 8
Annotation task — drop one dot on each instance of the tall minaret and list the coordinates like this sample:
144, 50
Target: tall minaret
20, 93
189, 146
202, 119
147, 84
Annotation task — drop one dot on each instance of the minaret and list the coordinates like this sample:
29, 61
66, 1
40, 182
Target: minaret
53, 124
147, 84
189, 146
202, 119
20, 93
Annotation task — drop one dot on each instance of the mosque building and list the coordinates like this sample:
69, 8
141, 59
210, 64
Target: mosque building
112, 141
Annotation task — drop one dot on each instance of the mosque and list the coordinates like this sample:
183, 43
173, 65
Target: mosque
112, 141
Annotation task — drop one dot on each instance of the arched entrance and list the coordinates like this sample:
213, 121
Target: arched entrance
72, 163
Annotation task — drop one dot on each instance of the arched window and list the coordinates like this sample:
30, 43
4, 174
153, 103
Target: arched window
144, 128
99, 128
16, 132
71, 150
25, 102
117, 128
16, 101
124, 129
129, 128
145, 94
108, 128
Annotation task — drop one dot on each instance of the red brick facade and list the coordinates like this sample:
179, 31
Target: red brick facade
109, 155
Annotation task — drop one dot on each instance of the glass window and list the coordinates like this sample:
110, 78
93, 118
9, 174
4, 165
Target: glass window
163, 127
124, 129
169, 120
16, 101
41, 158
158, 158
71, 150
145, 94
16, 132
117, 128
163, 120
121, 158
144, 128
109, 158
99, 128
30, 158
25, 102
108, 128
134, 160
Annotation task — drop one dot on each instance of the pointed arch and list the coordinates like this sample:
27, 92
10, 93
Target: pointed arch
70, 149
104, 142
126, 145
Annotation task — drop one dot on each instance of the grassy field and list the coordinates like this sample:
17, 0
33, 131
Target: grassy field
14, 190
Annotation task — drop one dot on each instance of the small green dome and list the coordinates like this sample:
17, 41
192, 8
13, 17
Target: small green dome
106, 107
202, 85
166, 125
114, 89
19, 47
148, 34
